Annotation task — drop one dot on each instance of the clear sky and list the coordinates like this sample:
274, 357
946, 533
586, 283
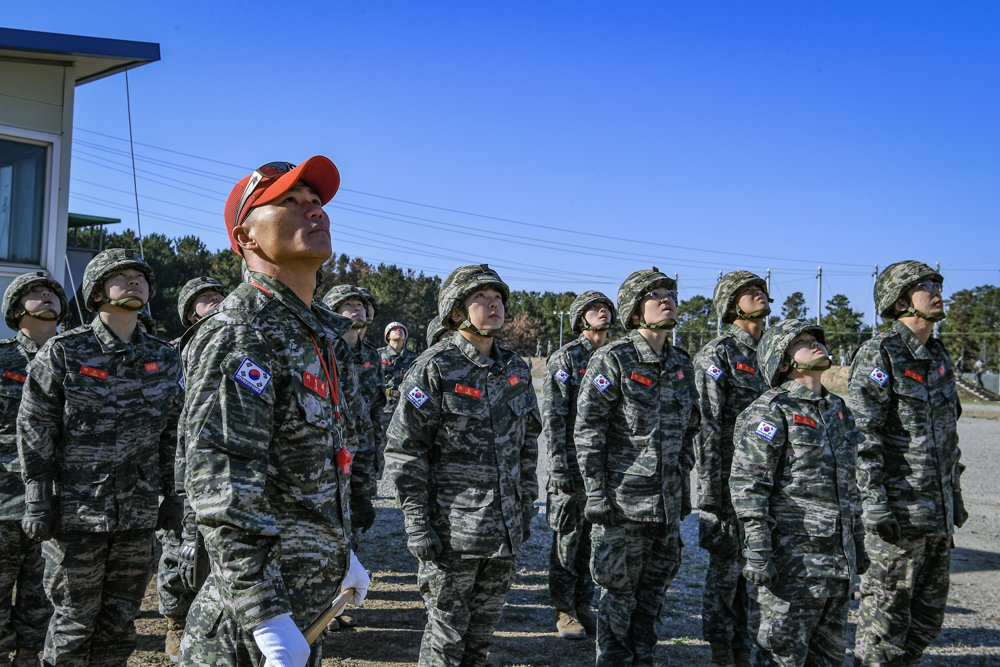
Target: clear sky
699, 137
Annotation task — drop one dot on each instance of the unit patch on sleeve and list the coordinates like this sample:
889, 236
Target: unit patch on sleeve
416, 396
879, 376
562, 375
713, 372
766, 430
252, 376
601, 382
680, 375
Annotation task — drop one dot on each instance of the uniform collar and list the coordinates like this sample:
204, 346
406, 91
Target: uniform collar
472, 354
917, 349
800, 391
287, 298
742, 336
110, 342
30, 346
648, 356
587, 345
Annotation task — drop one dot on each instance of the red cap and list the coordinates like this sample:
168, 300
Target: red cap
318, 172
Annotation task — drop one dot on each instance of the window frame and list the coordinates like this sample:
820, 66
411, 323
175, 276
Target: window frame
50, 199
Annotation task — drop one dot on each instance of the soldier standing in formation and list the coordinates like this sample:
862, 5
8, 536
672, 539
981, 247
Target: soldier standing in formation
96, 436
461, 454
571, 587
793, 488
396, 360
727, 378
267, 465
637, 416
435, 331
903, 393
33, 306
373, 380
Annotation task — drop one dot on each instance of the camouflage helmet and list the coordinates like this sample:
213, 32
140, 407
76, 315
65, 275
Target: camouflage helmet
192, 290
774, 344
103, 265
394, 325
457, 286
635, 287
148, 323
369, 299
582, 303
434, 330
338, 294
894, 282
21, 286
729, 286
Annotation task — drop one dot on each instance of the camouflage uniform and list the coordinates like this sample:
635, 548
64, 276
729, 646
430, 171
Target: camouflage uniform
262, 442
793, 488
906, 402
435, 330
372, 382
462, 452
394, 366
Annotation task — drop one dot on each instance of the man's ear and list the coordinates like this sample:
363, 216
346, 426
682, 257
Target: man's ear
243, 238
901, 305
457, 315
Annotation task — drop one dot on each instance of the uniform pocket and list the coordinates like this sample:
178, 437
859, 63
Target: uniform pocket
609, 557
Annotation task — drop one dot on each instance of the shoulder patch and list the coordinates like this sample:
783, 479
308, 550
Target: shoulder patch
766, 430
252, 376
180, 383
713, 372
680, 375
416, 396
879, 376
561, 375
941, 369
601, 382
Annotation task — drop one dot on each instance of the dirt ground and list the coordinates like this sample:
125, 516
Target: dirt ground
391, 621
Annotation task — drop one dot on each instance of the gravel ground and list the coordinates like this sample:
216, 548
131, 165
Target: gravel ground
391, 622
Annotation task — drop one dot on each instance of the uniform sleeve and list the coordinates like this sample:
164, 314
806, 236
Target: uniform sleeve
529, 455
360, 441
555, 403
869, 400
712, 384
168, 443
410, 446
377, 406
227, 432
594, 409
40, 417
855, 438
761, 438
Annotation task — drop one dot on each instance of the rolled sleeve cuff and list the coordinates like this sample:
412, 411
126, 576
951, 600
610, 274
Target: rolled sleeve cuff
758, 536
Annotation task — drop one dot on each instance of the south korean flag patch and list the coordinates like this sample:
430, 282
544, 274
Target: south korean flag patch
417, 396
601, 382
562, 375
713, 372
766, 430
252, 376
879, 376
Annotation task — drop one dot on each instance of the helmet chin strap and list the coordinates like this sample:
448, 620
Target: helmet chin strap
358, 324
668, 323
43, 314
760, 314
822, 363
132, 303
599, 327
930, 317
467, 325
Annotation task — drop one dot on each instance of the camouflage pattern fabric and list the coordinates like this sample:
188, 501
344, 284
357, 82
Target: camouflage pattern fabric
633, 563
799, 631
894, 282
394, 367
728, 287
173, 595
22, 625
793, 488
464, 598
15, 354
261, 442
21, 286
637, 286
728, 381
570, 583
372, 382
96, 582
435, 330
906, 402
107, 262
460, 283
904, 596
463, 447
582, 303
190, 292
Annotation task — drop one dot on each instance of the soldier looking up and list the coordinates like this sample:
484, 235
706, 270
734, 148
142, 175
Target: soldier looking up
793, 488
267, 464
461, 454
96, 436
396, 360
571, 587
33, 306
372, 380
903, 393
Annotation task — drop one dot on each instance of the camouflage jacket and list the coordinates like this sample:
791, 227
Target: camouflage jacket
637, 416
560, 388
15, 353
725, 373
394, 367
261, 441
906, 403
98, 418
354, 407
463, 447
793, 486
373, 384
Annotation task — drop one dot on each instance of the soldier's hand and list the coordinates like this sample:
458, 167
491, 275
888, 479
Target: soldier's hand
562, 480
961, 516
39, 521
362, 513
878, 519
861, 557
759, 569
187, 563
424, 543
170, 514
600, 511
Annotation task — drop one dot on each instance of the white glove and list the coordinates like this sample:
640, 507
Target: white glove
357, 579
281, 642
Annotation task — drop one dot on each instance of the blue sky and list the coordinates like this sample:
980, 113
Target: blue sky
695, 136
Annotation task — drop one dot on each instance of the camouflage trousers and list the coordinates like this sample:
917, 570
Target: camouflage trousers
22, 625
570, 583
174, 595
633, 563
794, 632
903, 598
96, 582
464, 599
724, 602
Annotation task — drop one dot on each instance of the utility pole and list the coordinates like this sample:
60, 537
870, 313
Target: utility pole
718, 323
819, 297
561, 314
768, 281
676, 305
874, 303
937, 325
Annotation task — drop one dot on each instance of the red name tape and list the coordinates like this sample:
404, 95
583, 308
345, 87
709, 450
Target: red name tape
805, 421
740, 366
94, 372
152, 366
314, 383
642, 379
467, 391
913, 375
17, 377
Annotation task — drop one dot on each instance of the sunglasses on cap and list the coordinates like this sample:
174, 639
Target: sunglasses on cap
268, 171
929, 286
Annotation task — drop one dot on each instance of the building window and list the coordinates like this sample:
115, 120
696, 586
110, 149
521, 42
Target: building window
22, 201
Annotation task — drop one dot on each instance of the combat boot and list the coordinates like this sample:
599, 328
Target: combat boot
25, 657
175, 631
722, 655
586, 618
569, 626
741, 656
